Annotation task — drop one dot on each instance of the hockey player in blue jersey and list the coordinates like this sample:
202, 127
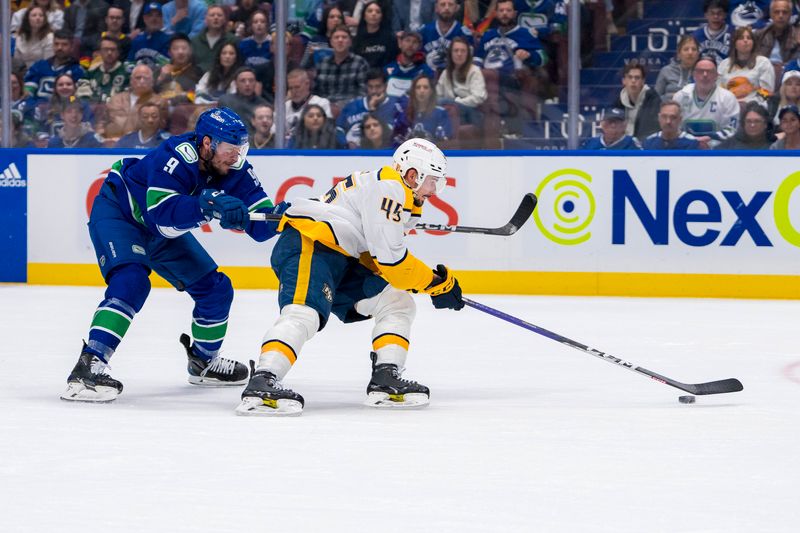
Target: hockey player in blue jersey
140, 222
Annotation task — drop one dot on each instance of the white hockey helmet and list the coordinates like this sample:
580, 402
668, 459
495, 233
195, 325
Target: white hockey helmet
424, 157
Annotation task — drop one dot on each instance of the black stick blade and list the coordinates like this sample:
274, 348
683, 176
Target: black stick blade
716, 387
521, 215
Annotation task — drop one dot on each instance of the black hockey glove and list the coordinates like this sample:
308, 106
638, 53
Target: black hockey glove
446, 294
229, 210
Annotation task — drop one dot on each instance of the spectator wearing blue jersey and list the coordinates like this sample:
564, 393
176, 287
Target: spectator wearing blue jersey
377, 102
149, 134
184, 16
714, 37
374, 40
74, 132
409, 64
375, 133
437, 35
255, 50
546, 17
670, 137
678, 73
508, 55
39, 78
342, 76
316, 131
423, 118
612, 124
141, 221
151, 47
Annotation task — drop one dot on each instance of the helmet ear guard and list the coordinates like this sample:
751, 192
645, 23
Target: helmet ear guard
424, 157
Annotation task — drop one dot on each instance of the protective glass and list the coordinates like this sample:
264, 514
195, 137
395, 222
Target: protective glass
441, 182
228, 152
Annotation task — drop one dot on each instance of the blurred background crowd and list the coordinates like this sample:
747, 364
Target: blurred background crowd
471, 74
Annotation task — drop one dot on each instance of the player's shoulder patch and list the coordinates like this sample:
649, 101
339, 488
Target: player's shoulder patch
187, 152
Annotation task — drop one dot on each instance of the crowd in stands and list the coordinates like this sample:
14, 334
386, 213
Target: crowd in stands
361, 73
734, 84
372, 73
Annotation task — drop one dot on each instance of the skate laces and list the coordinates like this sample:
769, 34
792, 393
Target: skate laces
98, 367
219, 365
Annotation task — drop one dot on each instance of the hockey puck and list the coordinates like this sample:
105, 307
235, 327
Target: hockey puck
686, 399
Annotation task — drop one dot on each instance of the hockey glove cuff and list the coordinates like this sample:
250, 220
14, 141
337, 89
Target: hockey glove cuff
272, 227
447, 293
229, 210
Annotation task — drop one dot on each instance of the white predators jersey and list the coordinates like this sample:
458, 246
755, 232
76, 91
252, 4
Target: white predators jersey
366, 216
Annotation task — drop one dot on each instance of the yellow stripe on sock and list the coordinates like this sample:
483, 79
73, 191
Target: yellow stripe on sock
280, 347
389, 338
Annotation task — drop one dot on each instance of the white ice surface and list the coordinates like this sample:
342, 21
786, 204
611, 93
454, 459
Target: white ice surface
522, 434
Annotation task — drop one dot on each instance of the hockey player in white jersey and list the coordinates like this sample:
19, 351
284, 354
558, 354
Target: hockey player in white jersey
345, 253
710, 113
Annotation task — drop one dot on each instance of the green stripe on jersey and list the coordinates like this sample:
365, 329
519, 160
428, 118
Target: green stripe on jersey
210, 332
156, 196
111, 320
261, 204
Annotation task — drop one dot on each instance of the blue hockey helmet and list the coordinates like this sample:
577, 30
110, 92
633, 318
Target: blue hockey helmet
225, 129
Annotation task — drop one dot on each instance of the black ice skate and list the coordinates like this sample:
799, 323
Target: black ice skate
219, 372
89, 381
264, 396
387, 389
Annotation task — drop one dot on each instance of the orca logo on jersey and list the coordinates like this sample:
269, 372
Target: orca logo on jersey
573, 205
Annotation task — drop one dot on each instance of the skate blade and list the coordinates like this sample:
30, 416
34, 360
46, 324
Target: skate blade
382, 400
257, 407
210, 382
78, 392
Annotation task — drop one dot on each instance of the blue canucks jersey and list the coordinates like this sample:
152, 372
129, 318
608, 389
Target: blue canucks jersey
684, 141
718, 45
150, 48
254, 54
42, 75
399, 78
626, 142
435, 44
160, 190
353, 113
544, 16
496, 50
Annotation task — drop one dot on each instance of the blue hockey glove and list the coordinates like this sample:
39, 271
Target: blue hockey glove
272, 227
447, 293
229, 210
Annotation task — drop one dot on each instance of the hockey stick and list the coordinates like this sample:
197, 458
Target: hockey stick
698, 389
521, 215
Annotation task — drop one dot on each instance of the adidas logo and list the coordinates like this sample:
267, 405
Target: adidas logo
12, 178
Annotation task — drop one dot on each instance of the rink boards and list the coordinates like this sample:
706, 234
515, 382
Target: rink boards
712, 225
